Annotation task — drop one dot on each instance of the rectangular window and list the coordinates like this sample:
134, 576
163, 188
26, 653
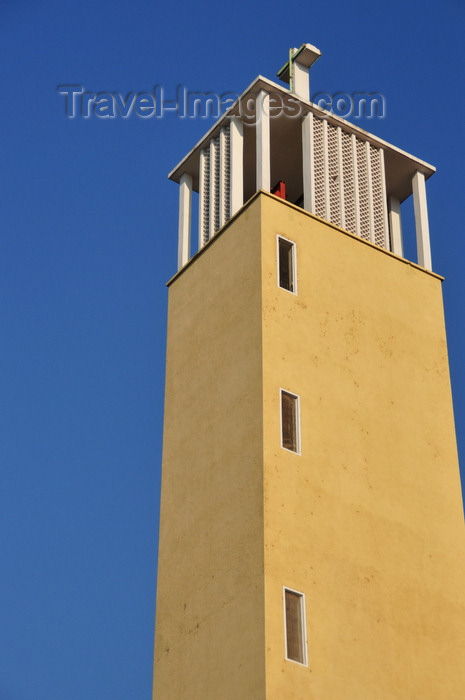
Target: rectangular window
286, 265
290, 421
294, 615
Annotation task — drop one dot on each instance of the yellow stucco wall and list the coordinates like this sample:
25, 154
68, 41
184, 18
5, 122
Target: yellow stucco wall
210, 594
368, 520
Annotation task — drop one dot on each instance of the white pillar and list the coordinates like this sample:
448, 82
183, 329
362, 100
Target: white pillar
184, 223
421, 220
236, 145
308, 163
262, 134
395, 226
301, 81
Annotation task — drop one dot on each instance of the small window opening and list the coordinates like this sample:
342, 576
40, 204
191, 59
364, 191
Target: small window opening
286, 263
290, 421
294, 605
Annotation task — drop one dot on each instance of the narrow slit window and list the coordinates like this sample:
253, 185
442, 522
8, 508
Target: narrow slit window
294, 612
290, 421
286, 264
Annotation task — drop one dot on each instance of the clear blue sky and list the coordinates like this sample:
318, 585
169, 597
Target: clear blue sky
88, 240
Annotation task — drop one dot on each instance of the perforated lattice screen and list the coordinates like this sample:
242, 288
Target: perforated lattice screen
205, 195
362, 173
377, 196
226, 157
333, 174
215, 185
348, 182
319, 168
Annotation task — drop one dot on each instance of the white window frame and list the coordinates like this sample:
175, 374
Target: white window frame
297, 451
304, 626
294, 263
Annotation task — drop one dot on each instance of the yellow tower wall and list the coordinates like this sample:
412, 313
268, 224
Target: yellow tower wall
367, 522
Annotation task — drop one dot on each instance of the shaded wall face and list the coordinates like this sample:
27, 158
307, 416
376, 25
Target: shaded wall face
210, 627
367, 521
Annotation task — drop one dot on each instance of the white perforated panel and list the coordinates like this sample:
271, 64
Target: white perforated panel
378, 196
226, 184
319, 170
349, 183
333, 175
349, 187
362, 170
205, 195
215, 184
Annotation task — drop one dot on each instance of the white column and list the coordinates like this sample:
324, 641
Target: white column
236, 145
308, 166
301, 81
262, 133
184, 223
421, 220
395, 226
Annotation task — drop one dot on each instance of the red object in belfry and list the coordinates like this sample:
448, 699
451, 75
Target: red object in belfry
279, 189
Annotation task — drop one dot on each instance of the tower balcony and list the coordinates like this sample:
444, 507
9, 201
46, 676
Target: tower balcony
275, 139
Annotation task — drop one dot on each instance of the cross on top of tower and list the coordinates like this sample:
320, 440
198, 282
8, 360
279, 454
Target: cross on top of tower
295, 71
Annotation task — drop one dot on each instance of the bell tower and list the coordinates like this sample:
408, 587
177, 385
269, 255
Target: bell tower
312, 542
